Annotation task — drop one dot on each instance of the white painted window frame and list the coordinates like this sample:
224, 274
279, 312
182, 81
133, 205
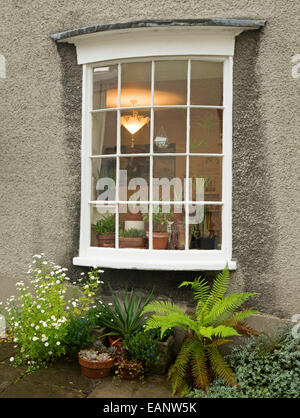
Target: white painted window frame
149, 259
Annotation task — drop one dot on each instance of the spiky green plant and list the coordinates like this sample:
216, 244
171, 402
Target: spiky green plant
214, 320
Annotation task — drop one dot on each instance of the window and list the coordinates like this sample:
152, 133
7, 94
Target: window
156, 144
156, 123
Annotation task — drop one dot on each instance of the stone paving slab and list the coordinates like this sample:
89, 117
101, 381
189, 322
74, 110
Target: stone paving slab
33, 390
150, 387
64, 380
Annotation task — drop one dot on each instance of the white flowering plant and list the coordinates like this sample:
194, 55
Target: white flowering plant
39, 317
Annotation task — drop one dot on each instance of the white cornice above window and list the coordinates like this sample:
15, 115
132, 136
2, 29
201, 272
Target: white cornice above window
156, 38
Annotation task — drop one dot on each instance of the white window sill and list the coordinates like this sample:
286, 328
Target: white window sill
155, 259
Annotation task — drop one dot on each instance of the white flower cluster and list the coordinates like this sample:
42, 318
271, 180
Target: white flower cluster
39, 316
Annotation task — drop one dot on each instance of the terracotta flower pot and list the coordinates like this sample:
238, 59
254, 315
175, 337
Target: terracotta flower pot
95, 369
106, 240
160, 240
116, 341
132, 242
129, 370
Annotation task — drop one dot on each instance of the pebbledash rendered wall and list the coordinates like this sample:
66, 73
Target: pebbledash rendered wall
40, 134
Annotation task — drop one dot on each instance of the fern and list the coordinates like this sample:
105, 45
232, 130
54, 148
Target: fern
216, 319
220, 366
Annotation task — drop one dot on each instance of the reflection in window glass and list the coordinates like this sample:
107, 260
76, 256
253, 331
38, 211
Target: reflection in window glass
103, 179
206, 131
105, 87
104, 133
170, 83
206, 178
134, 178
136, 84
168, 178
206, 83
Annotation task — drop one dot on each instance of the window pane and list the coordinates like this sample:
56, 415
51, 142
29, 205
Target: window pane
205, 178
168, 227
103, 179
134, 178
170, 83
135, 131
205, 227
103, 220
170, 130
105, 93
207, 83
133, 226
136, 84
206, 131
104, 132
168, 178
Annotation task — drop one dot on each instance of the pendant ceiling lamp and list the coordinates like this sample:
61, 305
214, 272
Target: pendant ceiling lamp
134, 123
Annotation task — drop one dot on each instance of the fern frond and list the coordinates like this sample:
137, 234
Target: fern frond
178, 371
223, 331
218, 289
225, 306
245, 329
240, 316
200, 289
220, 366
199, 367
161, 307
218, 342
173, 319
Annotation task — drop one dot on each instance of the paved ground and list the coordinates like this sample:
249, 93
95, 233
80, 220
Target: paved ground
64, 380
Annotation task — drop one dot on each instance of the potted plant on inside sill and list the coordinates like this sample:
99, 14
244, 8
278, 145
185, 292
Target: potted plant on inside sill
159, 235
132, 238
203, 237
122, 319
98, 361
104, 229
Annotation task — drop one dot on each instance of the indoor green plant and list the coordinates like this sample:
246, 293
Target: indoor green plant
104, 229
202, 234
160, 221
132, 238
97, 361
213, 321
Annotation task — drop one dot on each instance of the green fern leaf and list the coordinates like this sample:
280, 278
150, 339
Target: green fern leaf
218, 289
199, 367
226, 306
237, 317
223, 331
178, 371
220, 366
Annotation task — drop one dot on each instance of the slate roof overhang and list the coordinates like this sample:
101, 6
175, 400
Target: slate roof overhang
234, 23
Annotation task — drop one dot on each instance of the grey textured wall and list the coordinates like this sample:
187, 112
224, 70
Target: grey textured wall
40, 113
